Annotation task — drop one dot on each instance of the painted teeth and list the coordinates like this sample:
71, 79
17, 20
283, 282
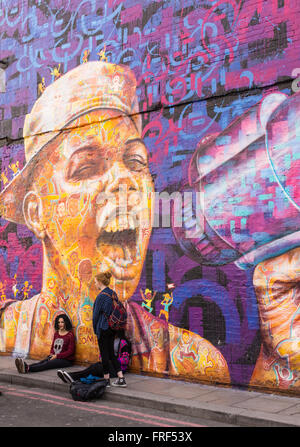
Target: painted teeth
123, 222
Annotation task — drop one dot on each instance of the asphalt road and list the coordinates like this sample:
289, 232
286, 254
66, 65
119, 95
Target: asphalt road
34, 407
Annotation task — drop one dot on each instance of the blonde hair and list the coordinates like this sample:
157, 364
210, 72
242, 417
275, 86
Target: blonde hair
104, 278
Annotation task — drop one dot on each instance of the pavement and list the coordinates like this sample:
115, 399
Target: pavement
227, 405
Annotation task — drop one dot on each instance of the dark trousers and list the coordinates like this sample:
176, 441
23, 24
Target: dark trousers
45, 364
106, 347
95, 369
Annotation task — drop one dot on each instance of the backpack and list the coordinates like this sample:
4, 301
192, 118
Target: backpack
123, 352
87, 391
118, 317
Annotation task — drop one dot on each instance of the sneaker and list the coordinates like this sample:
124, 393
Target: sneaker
20, 365
120, 382
60, 374
67, 377
107, 383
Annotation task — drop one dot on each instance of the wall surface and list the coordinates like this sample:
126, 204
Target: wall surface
192, 107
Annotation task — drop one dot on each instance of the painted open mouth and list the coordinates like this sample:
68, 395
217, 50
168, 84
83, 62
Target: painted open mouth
119, 245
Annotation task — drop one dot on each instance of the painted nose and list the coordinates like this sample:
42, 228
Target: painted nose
119, 201
124, 185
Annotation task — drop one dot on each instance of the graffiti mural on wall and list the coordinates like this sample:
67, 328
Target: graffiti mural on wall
166, 96
69, 194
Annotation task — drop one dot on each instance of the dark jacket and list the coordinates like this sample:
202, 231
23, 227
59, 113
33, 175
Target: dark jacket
101, 310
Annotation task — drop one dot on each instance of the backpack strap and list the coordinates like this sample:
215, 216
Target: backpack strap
114, 296
105, 293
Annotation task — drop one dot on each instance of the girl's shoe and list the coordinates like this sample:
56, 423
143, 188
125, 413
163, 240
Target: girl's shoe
60, 374
67, 377
120, 382
20, 365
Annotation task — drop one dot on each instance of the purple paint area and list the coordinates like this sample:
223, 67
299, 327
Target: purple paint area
196, 320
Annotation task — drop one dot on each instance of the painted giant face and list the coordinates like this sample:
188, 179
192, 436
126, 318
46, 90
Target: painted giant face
99, 168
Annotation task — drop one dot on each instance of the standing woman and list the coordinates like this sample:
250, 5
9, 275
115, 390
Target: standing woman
62, 350
101, 311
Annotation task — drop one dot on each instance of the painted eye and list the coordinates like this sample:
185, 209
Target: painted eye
84, 165
82, 173
135, 163
135, 155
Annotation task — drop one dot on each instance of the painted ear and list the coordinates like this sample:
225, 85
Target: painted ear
32, 210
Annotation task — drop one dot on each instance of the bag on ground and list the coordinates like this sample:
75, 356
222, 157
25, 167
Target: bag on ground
87, 391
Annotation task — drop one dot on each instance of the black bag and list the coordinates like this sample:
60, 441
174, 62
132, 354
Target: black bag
87, 391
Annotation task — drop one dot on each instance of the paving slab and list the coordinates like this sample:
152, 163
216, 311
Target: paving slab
224, 397
292, 411
266, 404
185, 392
